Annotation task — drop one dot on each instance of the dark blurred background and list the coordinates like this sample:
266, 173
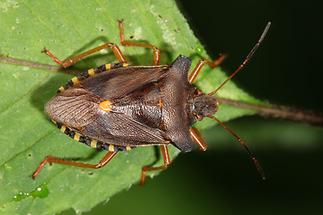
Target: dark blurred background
287, 69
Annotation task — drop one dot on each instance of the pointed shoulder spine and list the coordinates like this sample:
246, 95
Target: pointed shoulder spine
181, 65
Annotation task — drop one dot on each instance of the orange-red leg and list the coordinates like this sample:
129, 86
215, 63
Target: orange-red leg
156, 51
197, 137
201, 63
145, 169
51, 159
70, 61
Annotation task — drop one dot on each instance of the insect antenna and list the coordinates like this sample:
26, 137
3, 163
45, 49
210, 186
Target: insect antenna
242, 142
246, 60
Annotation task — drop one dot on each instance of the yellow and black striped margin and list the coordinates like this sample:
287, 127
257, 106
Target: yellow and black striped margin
89, 141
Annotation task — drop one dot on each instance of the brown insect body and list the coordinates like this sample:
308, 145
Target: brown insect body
147, 105
116, 107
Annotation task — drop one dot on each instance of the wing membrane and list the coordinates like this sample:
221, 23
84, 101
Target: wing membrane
121, 81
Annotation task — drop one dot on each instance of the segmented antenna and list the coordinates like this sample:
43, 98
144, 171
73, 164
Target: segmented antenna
242, 142
247, 59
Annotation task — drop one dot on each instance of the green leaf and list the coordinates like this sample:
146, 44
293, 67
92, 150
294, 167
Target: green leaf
26, 134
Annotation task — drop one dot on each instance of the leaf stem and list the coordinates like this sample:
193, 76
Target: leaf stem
32, 64
278, 111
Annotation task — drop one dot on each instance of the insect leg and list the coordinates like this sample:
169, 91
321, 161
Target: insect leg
70, 61
156, 51
50, 159
201, 63
197, 137
145, 169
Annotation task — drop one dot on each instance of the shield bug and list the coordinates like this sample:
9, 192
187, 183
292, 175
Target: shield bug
117, 107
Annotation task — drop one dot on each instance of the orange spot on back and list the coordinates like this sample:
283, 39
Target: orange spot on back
106, 106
